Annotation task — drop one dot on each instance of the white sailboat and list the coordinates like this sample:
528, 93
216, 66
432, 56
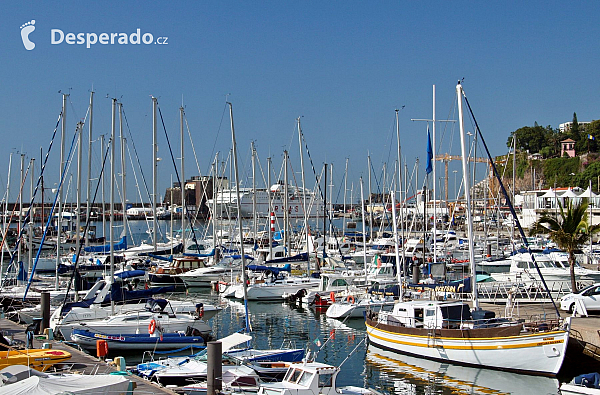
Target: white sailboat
449, 331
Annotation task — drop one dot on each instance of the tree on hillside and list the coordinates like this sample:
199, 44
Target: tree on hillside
575, 128
569, 229
531, 138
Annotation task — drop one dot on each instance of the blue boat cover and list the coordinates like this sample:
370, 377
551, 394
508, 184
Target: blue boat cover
121, 245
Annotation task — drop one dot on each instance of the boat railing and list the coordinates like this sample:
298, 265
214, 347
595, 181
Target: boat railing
534, 292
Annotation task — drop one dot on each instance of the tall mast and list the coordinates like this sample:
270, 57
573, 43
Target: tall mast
123, 171
239, 214
103, 189
467, 182
112, 197
286, 212
304, 206
400, 184
31, 218
215, 193
78, 193
20, 221
254, 220
89, 167
345, 191
63, 132
325, 214
154, 174
271, 213
182, 181
370, 199
434, 180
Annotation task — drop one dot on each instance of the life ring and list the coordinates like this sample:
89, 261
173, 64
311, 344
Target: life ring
152, 326
332, 296
350, 299
201, 312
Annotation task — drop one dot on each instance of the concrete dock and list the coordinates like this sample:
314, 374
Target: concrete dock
80, 361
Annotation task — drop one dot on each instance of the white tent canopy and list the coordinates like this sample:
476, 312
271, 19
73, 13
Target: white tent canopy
588, 194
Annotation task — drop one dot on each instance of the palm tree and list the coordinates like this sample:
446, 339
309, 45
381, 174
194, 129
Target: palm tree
569, 229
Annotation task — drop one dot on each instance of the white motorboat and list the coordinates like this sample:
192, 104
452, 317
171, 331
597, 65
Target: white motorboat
140, 322
229, 266
356, 306
275, 288
553, 267
309, 378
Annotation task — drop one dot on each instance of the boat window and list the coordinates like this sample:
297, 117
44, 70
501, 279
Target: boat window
522, 265
456, 313
288, 374
325, 379
430, 312
339, 282
305, 379
418, 316
295, 375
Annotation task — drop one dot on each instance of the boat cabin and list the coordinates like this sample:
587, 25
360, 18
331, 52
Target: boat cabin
304, 379
429, 314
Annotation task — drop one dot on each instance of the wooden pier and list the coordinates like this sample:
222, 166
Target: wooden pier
80, 361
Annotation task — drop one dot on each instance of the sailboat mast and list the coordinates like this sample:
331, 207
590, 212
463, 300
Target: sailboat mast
32, 217
434, 180
214, 193
271, 213
304, 206
154, 174
123, 171
254, 214
400, 185
182, 183
20, 220
63, 132
467, 182
112, 197
89, 166
78, 192
286, 212
239, 213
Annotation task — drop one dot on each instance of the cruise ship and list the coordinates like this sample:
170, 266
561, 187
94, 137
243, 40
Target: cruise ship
226, 202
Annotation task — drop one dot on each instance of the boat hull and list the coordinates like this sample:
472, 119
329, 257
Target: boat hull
537, 353
38, 359
131, 342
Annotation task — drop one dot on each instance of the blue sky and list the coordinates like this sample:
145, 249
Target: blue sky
343, 66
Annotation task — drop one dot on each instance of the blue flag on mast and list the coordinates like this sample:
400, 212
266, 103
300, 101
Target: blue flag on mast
429, 168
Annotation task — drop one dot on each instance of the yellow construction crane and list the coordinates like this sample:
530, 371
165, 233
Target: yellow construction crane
447, 158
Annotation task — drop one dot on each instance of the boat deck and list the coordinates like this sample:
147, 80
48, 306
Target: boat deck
80, 362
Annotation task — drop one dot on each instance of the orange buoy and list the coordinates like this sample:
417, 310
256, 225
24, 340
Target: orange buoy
332, 334
332, 296
152, 326
350, 299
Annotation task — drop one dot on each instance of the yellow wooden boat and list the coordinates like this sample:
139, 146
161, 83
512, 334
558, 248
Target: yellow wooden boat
38, 359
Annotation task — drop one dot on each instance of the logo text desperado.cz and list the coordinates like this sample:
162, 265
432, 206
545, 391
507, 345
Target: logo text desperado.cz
57, 36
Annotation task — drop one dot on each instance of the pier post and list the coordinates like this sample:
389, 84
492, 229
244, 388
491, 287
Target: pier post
45, 304
214, 370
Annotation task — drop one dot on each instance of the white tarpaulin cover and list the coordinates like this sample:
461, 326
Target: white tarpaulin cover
227, 343
101, 384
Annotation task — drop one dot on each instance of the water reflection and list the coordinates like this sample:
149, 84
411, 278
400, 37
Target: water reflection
402, 374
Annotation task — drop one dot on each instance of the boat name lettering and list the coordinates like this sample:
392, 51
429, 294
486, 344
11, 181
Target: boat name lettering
108, 337
549, 342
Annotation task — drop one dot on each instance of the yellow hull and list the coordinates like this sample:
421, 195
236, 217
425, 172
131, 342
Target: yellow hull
38, 359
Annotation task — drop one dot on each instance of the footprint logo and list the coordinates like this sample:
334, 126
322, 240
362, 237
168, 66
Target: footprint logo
26, 29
